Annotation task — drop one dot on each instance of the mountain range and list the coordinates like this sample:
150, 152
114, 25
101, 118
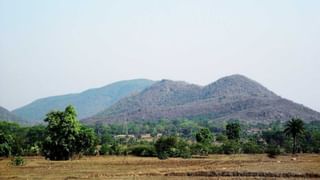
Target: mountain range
87, 103
231, 97
6, 115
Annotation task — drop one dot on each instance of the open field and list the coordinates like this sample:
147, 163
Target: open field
121, 167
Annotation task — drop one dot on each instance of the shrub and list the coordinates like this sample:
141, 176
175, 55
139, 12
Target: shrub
186, 154
163, 155
105, 149
65, 137
117, 149
231, 147
183, 149
17, 161
251, 148
143, 150
215, 149
5, 145
200, 149
165, 145
273, 151
5, 150
221, 138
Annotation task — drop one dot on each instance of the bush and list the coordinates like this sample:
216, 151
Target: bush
163, 155
183, 149
17, 161
165, 146
251, 148
215, 149
186, 154
231, 147
273, 151
5, 150
143, 150
105, 149
117, 149
5, 145
200, 149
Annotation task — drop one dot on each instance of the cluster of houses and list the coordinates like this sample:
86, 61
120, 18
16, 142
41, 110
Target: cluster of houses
143, 137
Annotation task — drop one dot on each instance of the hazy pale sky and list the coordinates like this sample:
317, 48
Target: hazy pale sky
53, 47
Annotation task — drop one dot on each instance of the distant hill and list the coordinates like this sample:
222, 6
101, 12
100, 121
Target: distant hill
232, 97
87, 103
6, 115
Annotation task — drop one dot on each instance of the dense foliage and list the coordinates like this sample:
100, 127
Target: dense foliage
63, 137
294, 128
233, 131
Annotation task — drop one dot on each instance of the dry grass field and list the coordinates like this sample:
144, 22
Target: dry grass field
121, 167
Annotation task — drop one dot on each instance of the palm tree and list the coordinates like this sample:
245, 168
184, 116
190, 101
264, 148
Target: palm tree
294, 128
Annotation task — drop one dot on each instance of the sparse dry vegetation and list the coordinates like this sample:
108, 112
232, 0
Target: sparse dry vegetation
129, 167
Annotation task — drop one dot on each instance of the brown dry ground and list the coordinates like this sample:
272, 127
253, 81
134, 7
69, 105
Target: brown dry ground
121, 167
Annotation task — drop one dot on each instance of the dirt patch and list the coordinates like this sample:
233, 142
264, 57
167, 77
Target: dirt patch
306, 166
243, 174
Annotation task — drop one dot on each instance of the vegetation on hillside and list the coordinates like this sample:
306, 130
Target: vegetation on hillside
64, 137
231, 97
87, 103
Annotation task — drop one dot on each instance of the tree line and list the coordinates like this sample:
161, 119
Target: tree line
64, 137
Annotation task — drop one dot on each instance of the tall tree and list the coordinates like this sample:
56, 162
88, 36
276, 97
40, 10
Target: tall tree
62, 132
294, 128
204, 138
233, 131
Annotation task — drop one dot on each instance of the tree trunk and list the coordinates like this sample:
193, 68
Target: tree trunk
294, 145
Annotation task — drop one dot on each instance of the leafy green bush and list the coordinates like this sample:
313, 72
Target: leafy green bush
183, 149
165, 146
231, 147
251, 148
17, 161
143, 150
215, 149
105, 149
200, 149
163, 155
117, 149
65, 137
204, 136
273, 151
5, 150
5, 144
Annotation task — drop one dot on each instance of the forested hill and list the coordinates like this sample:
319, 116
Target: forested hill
232, 97
87, 103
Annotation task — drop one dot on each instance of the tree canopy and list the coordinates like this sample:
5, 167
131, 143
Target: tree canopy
65, 137
294, 128
233, 131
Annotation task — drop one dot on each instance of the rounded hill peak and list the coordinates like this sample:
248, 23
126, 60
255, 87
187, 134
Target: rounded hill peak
236, 85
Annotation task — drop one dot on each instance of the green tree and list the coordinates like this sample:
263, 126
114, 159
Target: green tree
62, 132
164, 146
294, 128
16, 136
5, 144
34, 138
86, 141
251, 147
233, 131
231, 147
183, 148
204, 136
